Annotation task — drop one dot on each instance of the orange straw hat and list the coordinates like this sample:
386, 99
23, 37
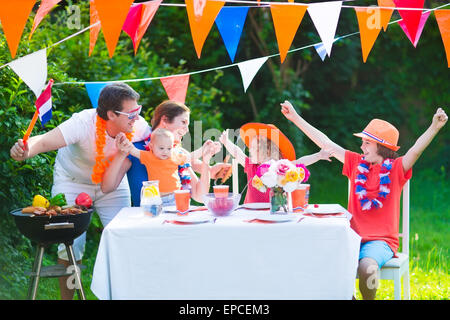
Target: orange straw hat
381, 132
253, 129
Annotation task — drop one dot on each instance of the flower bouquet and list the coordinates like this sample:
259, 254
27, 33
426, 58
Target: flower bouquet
280, 177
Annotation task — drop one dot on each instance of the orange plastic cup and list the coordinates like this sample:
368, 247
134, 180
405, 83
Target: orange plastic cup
221, 191
182, 200
300, 197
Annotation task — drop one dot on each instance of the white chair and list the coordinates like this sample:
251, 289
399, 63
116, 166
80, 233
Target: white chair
396, 268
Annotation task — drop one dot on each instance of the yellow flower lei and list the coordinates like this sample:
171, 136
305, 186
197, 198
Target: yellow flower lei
100, 162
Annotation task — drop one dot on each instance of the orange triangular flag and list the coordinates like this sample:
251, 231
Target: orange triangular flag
443, 20
112, 14
201, 24
176, 87
369, 28
94, 31
286, 20
386, 14
44, 9
14, 16
149, 9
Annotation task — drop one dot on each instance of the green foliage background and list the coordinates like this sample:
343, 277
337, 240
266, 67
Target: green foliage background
399, 83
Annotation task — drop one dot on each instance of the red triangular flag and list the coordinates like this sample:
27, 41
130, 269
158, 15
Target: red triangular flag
14, 16
443, 20
132, 21
149, 9
44, 9
410, 17
176, 87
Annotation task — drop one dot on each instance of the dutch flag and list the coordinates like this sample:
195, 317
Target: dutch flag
44, 104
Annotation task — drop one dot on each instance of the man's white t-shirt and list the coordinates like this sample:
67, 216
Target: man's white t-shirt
76, 161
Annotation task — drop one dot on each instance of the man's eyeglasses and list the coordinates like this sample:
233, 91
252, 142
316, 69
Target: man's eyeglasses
132, 114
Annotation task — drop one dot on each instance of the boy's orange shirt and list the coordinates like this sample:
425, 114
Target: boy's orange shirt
382, 223
166, 171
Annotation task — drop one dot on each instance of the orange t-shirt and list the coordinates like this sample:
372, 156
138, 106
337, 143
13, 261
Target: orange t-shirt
166, 171
381, 223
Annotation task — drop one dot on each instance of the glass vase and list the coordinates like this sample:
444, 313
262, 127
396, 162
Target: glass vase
278, 201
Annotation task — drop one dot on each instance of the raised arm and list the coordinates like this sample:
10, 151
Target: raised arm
201, 186
319, 138
439, 120
313, 158
49, 141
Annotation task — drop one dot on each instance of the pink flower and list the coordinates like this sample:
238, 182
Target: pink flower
282, 169
307, 173
263, 168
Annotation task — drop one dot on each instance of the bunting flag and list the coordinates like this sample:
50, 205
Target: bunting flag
13, 17
32, 69
44, 104
230, 22
94, 31
369, 28
201, 24
176, 87
286, 20
325, 16
93, 90
386, 14
249, 69
443, 20
411, 18
112, 14
44, 9
320, 49
138, 20
423, 20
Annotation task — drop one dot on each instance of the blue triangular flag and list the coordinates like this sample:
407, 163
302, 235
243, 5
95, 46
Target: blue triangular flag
321, 51
93, 90
230, 22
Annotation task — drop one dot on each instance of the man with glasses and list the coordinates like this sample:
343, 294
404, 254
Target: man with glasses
78, 141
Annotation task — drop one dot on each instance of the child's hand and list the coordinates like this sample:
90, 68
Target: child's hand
288, 110
209, 149
224, 137
123, 144
325, 155
439, 119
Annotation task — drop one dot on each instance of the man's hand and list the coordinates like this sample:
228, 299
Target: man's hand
123, 144
439, 119
19, 151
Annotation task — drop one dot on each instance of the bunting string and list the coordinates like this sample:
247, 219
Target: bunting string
233, 64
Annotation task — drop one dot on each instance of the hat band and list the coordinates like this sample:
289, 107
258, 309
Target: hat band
377, 139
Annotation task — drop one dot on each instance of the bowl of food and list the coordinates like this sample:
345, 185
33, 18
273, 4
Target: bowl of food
221, 206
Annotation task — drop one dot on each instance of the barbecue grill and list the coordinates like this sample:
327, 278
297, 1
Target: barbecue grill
47, 230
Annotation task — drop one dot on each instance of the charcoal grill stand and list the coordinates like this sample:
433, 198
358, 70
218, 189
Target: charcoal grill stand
36, 272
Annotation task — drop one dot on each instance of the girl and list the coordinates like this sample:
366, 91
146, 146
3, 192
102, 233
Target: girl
265, 142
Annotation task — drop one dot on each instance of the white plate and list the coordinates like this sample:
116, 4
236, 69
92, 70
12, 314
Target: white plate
275, 217
197, 218
324, 209
256, 206
173, 209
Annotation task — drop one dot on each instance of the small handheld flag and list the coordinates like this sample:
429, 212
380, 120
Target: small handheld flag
43, 110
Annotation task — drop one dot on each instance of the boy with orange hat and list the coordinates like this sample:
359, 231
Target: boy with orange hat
265, 142
376, 179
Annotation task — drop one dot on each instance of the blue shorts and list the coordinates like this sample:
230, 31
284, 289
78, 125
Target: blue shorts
377, 250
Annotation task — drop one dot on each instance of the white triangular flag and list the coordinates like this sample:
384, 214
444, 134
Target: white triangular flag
325, 16
32, 69
249, 69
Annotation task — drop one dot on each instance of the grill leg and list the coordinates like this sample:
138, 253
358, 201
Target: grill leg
34, 281
78, 285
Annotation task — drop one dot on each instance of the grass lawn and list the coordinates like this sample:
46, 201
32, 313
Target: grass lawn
429, 236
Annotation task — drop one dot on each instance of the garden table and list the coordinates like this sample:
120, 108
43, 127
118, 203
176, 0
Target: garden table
141, 257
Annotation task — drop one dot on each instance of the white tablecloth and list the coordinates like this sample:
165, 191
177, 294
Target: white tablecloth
139, 257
